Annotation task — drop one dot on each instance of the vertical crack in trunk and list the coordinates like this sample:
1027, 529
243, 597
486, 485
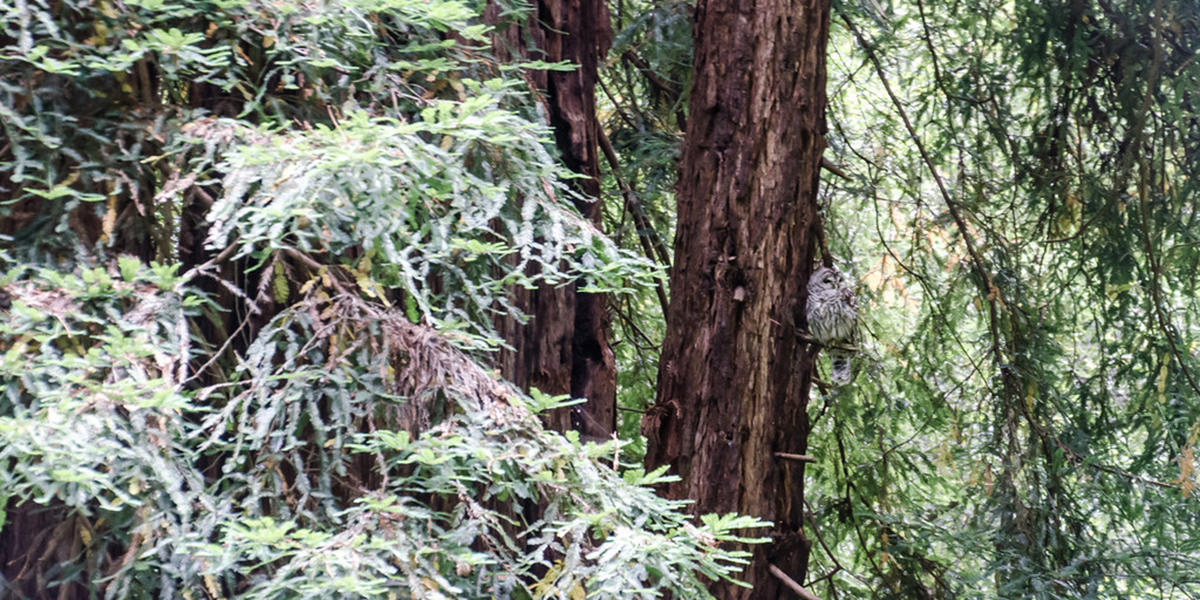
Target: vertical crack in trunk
734, 377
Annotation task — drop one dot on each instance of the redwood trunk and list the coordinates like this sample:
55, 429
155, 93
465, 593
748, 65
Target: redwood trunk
734, 377
564, 347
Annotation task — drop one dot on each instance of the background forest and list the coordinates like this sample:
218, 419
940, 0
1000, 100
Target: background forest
278, 282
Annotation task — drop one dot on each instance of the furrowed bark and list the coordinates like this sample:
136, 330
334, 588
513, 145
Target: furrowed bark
564, 348
734, 378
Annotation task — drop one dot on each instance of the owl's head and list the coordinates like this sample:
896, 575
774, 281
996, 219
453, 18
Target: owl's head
824, 279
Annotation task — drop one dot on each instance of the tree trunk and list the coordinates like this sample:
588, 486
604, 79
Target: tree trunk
564, 348
734, 377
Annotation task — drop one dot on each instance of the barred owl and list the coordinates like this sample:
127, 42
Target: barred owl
833, 318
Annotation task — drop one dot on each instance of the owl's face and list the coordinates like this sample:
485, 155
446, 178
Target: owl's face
824, 279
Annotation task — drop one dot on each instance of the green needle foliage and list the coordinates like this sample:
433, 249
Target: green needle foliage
256, 255
256, 486
1024, 419
1027, 424
253, 258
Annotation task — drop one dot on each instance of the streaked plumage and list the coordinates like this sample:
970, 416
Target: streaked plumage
832, 312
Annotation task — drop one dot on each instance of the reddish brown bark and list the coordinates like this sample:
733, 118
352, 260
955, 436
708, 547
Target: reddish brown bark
564, 347
734, 377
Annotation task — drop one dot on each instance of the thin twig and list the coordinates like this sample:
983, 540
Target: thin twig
620, 113
837, 565
798, 457
654, 247
832, 168
669, 87
951, 205
791, 583
1151, 258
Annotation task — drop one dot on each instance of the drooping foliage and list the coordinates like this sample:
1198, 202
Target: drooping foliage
252, 252
1020, 213
1012, 188
642, 108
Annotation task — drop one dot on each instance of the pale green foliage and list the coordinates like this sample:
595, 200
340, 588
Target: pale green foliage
1023, 423
450, 200
93, 417
103, 428
296, 400
1024, 427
